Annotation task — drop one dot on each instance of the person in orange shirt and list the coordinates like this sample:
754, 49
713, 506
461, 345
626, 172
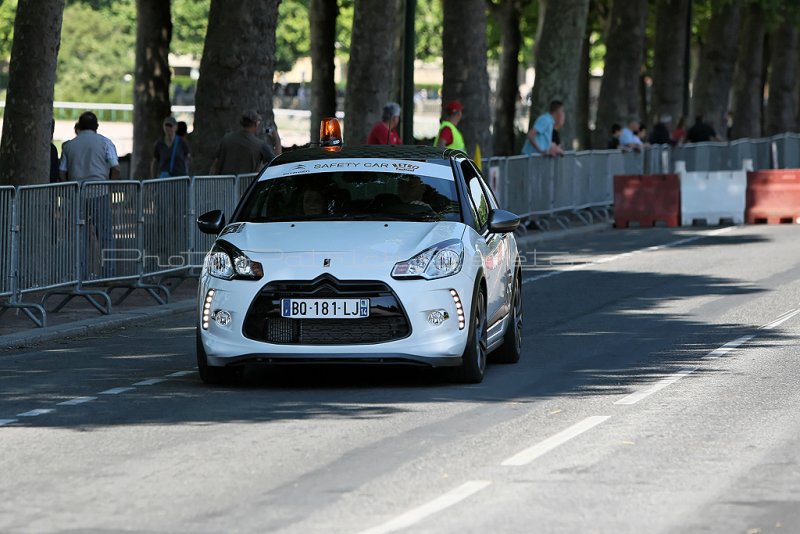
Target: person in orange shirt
385, 131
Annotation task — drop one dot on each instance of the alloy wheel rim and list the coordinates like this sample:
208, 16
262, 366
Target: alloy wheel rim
481, 335
518, 316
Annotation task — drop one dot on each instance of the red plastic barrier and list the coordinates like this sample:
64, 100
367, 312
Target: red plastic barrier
773, 197
648, 200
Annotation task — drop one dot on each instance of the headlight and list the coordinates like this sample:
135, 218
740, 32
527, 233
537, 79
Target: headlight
444, 259
228, 262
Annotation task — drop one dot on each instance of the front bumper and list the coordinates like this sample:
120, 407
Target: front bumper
426, 344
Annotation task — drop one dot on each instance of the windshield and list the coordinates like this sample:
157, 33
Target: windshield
352, 195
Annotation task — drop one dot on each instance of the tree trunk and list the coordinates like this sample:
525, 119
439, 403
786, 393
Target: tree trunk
397, 55
582, 131
747, 91
369, 76
508, 14
668, 58
619, 91
151, 86
558, 61
781, 107
25, 147
235, 73
322, 14
465, 75
712, 83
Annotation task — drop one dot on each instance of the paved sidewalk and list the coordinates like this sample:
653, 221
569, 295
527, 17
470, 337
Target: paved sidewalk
79, 318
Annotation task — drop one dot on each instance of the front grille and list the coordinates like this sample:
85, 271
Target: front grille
387, 320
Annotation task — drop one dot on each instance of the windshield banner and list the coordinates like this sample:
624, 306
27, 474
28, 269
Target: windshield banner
392, 166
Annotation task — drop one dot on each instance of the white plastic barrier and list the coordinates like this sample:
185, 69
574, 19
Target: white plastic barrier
712, 198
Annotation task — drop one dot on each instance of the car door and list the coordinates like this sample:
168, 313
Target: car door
493, 264
508, 250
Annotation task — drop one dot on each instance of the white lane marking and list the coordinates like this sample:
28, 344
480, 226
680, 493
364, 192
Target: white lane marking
780, 320
180, 373
729, 346
150, 382
76, 401
36, 412
609, 259
635, 397
4, 422
115, 391
543, 447
416, 515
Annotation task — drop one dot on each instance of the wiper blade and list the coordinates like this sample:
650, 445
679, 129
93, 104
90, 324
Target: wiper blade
391, 216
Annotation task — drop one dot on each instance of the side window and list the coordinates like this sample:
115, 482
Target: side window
479, 202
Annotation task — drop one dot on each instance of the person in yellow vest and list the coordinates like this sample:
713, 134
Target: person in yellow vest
448, 135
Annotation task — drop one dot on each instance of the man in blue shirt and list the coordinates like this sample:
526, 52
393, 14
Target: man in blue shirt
629, 138
540, 138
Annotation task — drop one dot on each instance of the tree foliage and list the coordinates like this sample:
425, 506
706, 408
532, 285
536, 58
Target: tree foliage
97, 51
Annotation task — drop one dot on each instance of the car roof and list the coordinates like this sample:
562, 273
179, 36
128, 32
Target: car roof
406, 152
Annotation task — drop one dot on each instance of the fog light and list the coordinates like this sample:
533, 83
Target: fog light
207, 308
437, 317
222, 317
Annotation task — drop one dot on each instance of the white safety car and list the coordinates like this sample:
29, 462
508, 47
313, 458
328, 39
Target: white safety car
390, 254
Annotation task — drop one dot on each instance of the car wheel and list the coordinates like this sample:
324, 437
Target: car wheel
473, 361
211, 374
511, 349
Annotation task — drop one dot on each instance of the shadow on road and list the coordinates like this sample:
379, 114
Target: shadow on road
589, 333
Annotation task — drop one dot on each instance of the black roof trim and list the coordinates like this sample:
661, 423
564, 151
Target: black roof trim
407, 152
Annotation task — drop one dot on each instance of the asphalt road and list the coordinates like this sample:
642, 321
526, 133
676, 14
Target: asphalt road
658, 392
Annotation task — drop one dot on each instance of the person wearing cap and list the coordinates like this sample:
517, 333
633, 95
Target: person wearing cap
171, 154
448, 135
385, 131
243, 152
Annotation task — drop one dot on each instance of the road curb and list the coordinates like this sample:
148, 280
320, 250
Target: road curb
93, 325
538, 237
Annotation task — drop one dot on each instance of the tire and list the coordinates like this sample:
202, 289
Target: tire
473, 361
511, 349
211, 374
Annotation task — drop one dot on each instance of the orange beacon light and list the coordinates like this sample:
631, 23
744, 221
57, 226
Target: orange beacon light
330, 133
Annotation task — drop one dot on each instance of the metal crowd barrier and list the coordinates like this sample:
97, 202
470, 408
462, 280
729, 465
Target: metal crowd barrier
90, 240
543, 189
581, 184
93, 239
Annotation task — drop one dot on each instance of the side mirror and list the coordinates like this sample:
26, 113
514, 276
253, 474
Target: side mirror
211, 222
502, 222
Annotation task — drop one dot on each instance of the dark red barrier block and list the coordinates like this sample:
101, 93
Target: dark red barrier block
648, 200
773, 197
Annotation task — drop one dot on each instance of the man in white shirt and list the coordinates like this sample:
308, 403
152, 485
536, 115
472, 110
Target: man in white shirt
91, 157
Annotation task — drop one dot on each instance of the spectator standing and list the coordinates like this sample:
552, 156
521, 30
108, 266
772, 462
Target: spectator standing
540, 138
629, 138
171, 154
616, 132
660, 134
449, 136
701, 132
557, 131
55, 177
90, 157
679, 133
242, 152
385, 131
182, 130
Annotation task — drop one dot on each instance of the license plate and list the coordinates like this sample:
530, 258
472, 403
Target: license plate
325, 308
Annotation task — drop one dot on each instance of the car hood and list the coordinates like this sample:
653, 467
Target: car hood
392, 240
